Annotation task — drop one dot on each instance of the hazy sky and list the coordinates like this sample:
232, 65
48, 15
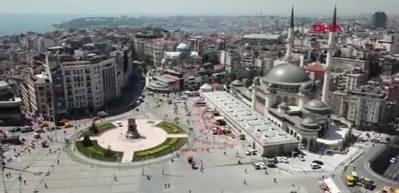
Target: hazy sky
195, 7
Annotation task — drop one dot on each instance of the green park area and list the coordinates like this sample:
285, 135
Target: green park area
170, 128
98, 129
170, 145
92, 150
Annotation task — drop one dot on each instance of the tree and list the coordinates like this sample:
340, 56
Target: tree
211, 57
86, 141
94, 128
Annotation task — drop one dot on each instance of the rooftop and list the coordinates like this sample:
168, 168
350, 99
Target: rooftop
262, 36
248, 120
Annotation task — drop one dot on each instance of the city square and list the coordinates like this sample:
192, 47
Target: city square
200, 103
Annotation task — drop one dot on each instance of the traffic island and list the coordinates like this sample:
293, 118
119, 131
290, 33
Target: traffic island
130, 140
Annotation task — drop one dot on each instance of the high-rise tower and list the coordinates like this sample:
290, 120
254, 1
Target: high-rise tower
330, 53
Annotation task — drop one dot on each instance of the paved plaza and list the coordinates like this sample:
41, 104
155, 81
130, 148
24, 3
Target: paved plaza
116, 139
216, 155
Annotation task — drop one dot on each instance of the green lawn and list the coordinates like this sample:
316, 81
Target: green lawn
168, 146
102, 127
97, 152
170, 128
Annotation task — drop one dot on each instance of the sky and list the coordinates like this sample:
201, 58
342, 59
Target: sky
196, 7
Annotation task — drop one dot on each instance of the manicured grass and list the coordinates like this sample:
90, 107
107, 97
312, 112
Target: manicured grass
168, 146
97, 152
170, 128
102, 127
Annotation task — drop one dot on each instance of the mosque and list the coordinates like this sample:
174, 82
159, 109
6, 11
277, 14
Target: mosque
286, 96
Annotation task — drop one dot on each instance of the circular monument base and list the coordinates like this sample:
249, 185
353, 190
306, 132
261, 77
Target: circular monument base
116, 140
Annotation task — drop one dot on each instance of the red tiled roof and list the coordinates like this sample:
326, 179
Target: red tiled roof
315, 67
165, 42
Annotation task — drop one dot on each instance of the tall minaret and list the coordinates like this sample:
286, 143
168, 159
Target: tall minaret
330, 53
290, 39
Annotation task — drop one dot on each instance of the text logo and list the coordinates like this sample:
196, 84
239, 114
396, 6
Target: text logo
322, 28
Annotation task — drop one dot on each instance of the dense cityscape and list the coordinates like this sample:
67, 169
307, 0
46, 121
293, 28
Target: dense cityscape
189, 104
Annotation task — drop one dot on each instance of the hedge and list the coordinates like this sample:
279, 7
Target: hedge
97, 152
102, 127
170, 128
168, 146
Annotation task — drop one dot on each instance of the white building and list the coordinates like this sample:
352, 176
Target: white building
90, 84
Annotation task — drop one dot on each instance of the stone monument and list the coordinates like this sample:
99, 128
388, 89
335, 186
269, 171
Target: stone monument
132, 132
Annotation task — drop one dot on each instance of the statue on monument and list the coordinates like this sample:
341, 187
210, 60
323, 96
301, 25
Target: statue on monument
132, 131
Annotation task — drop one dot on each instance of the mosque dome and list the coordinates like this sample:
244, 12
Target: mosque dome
287, 74
317, 106
310, 123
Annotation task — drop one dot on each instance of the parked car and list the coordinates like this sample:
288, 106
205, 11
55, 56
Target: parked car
15, 140
282, 159
102, 114
315, 166
318, 162
14, 130
26, 130
260, 165
271, 164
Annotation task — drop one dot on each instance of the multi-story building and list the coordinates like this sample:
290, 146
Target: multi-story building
90, 83
10, 112
366, 106
379, 20
37, 96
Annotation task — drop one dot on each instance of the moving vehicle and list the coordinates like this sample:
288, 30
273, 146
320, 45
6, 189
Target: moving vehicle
301, 158
328, 185
392, 160
368, 184
350, 181
251, 152
242, 137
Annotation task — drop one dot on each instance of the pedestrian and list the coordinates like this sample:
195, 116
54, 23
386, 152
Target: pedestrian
58, 162
189, 191
45, 185
275, 180
246, 171
115, 179
25, 182
245, 182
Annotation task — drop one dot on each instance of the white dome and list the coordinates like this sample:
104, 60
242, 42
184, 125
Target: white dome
182, 46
